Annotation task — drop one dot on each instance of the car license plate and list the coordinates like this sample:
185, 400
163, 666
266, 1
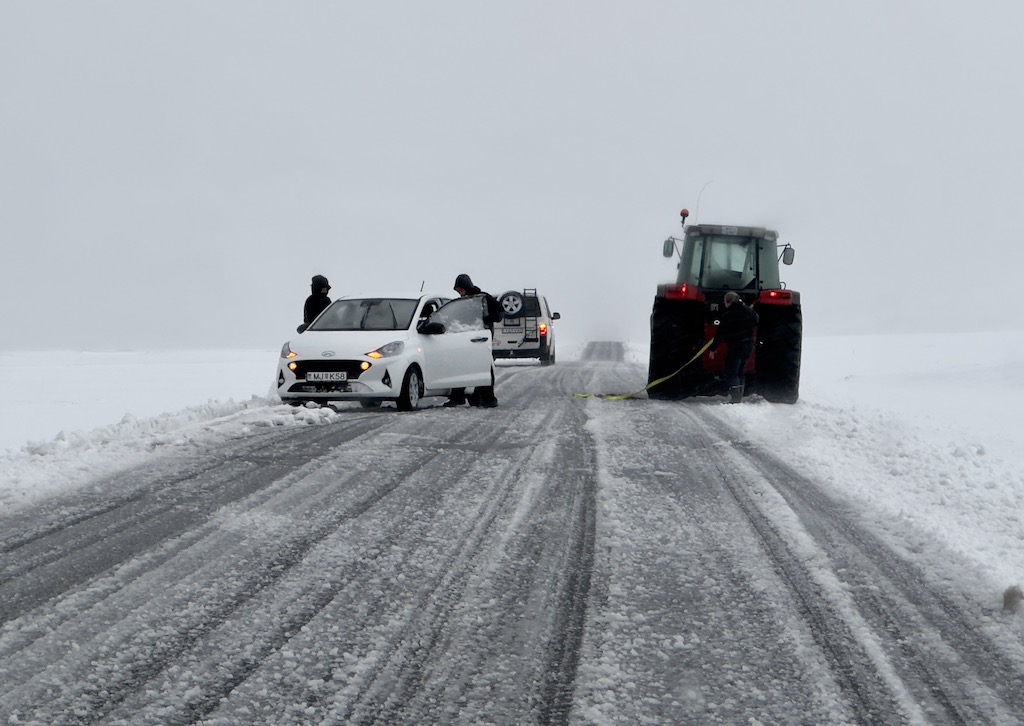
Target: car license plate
511, 331
327, 376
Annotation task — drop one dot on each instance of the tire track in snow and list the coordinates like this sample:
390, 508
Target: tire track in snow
144, 655
939, 654
211, 621
690, 626
431, 675
37, 566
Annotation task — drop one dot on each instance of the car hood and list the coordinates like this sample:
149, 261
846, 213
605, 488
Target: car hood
345, 344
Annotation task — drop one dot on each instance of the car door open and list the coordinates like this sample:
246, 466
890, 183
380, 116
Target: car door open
461, 355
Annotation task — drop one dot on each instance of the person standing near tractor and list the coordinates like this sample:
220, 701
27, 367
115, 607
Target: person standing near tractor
736, 330
318, 301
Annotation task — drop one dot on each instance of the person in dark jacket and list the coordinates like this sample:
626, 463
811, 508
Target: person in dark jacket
318, 301
736, 330
482, 395
465, 287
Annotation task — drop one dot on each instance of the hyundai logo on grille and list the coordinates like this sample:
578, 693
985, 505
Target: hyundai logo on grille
328, 354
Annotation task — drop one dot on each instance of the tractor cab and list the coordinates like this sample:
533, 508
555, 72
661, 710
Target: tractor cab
718, 257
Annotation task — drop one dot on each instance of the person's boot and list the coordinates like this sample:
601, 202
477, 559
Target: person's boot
456, 398
735, 394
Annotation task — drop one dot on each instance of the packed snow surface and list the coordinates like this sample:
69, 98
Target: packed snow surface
927, 427
916, 436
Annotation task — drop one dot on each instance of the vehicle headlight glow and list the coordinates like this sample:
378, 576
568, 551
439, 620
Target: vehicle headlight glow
387, 351
287, 352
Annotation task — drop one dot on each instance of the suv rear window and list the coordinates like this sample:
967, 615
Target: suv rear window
531, 307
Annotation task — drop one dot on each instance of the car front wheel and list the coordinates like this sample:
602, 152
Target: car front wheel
412, 390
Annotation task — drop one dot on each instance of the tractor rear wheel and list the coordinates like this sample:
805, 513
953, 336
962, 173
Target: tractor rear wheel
677, 331
780, 335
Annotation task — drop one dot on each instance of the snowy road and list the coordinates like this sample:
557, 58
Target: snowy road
555, 560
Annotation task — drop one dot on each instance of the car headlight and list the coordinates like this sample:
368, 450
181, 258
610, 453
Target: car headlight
387, 351
287, 352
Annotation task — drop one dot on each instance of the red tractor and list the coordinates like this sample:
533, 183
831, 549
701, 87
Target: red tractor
713, 260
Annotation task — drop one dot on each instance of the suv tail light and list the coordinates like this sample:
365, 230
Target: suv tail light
542, 329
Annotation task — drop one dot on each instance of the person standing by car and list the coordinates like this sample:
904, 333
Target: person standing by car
736, 330
318, 301
482, 395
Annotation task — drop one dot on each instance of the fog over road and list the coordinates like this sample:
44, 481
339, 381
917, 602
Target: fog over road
554, 560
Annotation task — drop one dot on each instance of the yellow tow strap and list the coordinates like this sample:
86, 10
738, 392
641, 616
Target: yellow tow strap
652, 384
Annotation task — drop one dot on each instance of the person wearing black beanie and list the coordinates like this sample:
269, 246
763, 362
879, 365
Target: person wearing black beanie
318, 301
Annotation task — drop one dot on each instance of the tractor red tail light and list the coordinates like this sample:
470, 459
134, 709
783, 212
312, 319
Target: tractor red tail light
682, 292
543, 329
776, 297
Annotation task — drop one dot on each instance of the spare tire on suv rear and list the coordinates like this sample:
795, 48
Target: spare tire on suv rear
511, 304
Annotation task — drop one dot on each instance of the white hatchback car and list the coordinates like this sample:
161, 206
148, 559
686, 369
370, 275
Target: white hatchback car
398, 348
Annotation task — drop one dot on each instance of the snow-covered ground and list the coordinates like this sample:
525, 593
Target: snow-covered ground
926, 429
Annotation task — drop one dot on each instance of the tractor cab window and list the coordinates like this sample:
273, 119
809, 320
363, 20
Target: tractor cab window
769, 265
730, 263
689, 264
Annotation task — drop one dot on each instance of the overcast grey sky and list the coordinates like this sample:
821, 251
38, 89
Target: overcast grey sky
173, 173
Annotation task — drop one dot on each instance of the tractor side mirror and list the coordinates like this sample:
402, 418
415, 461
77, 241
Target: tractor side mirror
787, 255
668, 248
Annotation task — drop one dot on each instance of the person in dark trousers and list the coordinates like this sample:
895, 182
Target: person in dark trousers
482, 395
736, 330
318, 301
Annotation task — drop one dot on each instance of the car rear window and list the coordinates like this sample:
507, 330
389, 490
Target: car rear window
367, 314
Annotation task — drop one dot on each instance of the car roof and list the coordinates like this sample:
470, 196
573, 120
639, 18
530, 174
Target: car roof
392, 294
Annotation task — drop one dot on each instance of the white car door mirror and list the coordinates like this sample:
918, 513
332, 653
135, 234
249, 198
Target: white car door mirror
431, 328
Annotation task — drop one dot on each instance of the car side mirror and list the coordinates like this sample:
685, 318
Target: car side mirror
302, 328
556, 316
431, 328
787, 255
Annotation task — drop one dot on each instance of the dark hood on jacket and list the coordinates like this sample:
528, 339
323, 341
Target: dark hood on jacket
319, 282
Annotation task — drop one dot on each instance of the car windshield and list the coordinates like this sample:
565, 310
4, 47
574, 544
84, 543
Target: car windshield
374, 313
